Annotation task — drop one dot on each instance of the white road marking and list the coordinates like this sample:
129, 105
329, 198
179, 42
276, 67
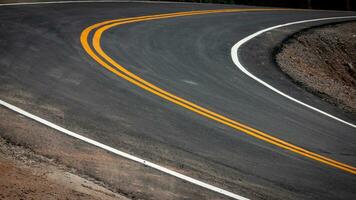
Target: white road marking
235, 58
48, 2
121, 153
103, 146
145, 162
88, 1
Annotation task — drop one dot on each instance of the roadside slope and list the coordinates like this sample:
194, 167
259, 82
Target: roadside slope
323, 59
26, 175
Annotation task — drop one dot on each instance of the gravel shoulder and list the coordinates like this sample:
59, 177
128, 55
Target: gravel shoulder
323, 60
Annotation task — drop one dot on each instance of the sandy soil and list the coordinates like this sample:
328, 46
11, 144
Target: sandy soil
25, 175
323, 60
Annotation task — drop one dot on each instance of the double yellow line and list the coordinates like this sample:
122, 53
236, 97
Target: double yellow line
97, 53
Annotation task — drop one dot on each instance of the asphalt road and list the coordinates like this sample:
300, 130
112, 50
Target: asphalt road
188, 56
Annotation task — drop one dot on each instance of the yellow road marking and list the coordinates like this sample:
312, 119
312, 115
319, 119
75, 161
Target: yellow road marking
117, 69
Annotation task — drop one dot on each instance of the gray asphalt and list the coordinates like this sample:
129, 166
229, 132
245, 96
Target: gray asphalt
190, 57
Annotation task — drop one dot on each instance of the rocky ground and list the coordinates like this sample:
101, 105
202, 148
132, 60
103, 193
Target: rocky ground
323, 60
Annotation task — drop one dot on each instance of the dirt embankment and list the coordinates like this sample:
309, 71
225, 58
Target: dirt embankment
323, 60
26, 175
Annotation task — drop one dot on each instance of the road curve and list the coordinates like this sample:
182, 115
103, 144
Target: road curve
188, 56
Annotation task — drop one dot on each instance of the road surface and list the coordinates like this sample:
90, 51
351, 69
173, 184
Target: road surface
188, 56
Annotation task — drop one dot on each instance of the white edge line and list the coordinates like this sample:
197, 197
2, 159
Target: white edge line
235, 58
90, 1
57, 2
106, 147
121, 153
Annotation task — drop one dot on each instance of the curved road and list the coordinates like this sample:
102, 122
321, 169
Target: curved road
188, 56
